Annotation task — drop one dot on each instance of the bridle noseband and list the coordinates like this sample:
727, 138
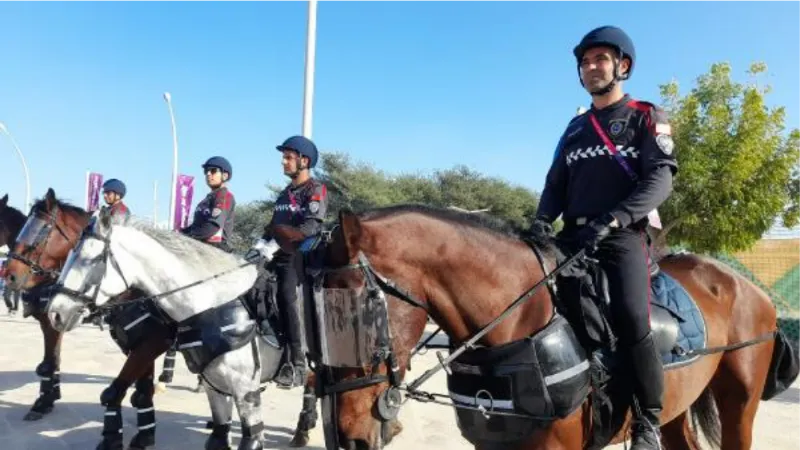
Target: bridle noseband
41, 239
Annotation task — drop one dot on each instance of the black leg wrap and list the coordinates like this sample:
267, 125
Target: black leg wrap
142, 400
113, 394
168, 371
49, 391
112, 429
251, 437
308, 415
218, 440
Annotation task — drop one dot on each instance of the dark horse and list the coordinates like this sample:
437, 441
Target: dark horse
465, 271
52, 230
11, 221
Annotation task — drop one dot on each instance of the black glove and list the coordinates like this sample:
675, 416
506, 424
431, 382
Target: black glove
541, 227
590, 236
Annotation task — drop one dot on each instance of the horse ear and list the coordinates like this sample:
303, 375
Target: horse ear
50, 199
3, 202
351, 229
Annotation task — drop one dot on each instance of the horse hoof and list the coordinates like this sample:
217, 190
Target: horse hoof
161, 387
34, 415
142, 441
248, 443
300, 439
110, 444
217, 443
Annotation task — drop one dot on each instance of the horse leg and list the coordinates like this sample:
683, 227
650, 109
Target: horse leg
142, 400
48, 370
139, 364
308, 415
221, 410
737, 389
167, 370
678, 434
248, 403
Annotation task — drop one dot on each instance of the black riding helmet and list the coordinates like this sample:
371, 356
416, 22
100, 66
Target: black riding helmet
608, 36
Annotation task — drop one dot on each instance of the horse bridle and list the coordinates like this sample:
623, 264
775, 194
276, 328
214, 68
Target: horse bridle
35, 266
96, 273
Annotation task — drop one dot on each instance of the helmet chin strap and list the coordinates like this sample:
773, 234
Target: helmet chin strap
300, 167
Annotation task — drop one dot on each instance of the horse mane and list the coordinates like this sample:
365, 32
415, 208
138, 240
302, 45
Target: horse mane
41, 206
199, 255
479, 222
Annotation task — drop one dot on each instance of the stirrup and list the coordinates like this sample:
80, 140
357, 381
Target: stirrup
283, 376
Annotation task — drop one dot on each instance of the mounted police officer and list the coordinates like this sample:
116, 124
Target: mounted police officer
613, 166
214, 215
212, 224
113, 192
302, 204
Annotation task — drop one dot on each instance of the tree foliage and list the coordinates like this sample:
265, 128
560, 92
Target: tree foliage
737, 165
360, 186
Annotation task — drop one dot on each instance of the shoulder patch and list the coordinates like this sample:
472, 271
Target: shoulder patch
222, 199
320, 192
665, 143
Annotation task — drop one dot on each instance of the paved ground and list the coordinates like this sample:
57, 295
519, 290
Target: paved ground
91, 359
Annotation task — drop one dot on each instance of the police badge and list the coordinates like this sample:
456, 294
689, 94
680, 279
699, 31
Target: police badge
617, 127
313, 207
665, 143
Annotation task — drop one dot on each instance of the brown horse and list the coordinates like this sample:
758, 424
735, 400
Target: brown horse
407, 324
466, 271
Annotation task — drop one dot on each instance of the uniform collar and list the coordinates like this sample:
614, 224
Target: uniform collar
614, 106
301, 185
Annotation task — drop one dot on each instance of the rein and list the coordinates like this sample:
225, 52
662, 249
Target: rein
376, 281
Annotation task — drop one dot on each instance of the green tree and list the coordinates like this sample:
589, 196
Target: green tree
249, 223
359, 186
737, 165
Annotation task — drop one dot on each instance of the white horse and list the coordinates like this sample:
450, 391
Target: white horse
215, 330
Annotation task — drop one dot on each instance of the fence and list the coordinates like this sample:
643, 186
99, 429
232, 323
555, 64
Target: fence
774, 265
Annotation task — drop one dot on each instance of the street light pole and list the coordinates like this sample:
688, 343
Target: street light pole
171, 215
311, 53
4, 130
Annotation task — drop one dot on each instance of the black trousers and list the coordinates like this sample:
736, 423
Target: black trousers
289, 271
624, 256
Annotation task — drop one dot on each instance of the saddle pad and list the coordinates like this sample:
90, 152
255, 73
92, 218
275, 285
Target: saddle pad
670, 295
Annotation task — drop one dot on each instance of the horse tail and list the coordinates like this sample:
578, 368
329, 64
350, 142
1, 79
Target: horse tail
705, 417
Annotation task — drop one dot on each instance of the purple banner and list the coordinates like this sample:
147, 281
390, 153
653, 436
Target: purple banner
184, 188
93, 186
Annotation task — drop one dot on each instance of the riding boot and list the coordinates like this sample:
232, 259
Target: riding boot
648, 392
293, 371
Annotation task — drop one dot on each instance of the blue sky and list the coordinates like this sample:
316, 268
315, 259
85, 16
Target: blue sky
408, 87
